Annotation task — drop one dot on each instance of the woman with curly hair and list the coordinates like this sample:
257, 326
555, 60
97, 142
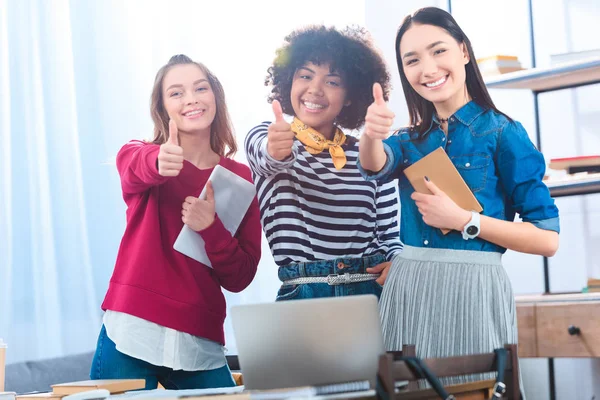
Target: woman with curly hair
331, 232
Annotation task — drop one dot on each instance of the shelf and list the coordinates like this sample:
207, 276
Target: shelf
558, 77
557, 297
587, 185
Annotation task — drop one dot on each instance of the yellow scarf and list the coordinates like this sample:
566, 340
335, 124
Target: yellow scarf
316, 142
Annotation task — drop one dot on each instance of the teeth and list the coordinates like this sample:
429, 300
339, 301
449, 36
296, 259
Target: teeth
313, 106
195, 112
436, 83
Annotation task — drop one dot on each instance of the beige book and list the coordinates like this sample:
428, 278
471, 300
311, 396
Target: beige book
42, 395
438, 167
497, 57
112, 385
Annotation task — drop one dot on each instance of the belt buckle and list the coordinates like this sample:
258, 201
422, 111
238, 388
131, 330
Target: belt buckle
338, 279
331, 279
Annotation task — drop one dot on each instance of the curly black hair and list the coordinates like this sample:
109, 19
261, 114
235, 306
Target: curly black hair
349, 52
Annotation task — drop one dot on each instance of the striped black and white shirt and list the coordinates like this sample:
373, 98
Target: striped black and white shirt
311, 211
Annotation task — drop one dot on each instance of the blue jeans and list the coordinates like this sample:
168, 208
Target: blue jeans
324, 268
109, 363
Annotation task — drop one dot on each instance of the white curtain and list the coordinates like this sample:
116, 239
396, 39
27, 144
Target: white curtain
75, 81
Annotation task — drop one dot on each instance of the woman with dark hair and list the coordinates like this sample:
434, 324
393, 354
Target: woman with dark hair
449, 294
165, 311
331, 232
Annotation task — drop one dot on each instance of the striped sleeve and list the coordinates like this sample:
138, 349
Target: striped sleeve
387, 219
261, 163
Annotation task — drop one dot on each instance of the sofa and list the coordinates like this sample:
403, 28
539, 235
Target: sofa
38, 375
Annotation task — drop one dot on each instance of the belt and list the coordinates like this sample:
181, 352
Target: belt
332, 279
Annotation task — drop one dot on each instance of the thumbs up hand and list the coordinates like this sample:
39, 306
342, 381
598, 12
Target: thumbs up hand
170, 155
197, 213
379, 119
280, 138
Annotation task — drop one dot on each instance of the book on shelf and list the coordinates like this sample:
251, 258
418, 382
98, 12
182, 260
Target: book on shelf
499, 64
497, 57
593, 285
574, 56
112, 385
570, 162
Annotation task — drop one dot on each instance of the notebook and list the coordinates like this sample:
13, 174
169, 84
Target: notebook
233, 393
438, 167
328, 344
112, 385
233, 195
312, 391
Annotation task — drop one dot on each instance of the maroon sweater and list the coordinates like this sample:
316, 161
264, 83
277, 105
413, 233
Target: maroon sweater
153, 281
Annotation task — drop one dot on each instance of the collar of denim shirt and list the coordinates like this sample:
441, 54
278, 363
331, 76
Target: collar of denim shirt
465, 115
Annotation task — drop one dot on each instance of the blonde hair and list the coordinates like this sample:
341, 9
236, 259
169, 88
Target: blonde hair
222, 138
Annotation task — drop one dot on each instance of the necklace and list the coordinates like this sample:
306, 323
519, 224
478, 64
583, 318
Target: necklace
442, 120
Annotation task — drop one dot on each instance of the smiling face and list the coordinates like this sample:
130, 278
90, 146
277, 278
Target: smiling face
189, 99
434, 65
318, 96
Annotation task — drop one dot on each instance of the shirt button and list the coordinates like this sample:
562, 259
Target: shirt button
426, 242
449, 141
444, 138
452, 119
406, 161
467, 165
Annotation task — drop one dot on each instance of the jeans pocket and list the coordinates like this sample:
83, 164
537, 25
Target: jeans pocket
96, 369
377, 288
288, 292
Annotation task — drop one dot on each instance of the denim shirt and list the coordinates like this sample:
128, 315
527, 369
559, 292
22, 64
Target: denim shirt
496, 159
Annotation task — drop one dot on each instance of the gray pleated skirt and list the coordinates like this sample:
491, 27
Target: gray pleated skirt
448, 303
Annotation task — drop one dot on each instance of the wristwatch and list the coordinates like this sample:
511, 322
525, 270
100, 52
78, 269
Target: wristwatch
471, 229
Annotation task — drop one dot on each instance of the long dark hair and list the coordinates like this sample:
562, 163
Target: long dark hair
420, 110
222, 138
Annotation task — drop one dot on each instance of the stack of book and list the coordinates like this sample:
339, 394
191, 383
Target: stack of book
593, 285
498, 64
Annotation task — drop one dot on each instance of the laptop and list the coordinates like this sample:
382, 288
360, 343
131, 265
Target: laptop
308, 342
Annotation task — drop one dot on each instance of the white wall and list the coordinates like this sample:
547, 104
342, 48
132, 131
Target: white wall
569, 123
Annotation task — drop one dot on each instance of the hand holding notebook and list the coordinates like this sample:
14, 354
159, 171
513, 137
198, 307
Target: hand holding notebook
440, 170
232, 195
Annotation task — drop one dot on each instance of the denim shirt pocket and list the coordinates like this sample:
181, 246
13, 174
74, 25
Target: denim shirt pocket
473, 168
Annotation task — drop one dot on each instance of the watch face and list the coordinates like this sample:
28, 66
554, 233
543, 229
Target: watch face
472, 230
